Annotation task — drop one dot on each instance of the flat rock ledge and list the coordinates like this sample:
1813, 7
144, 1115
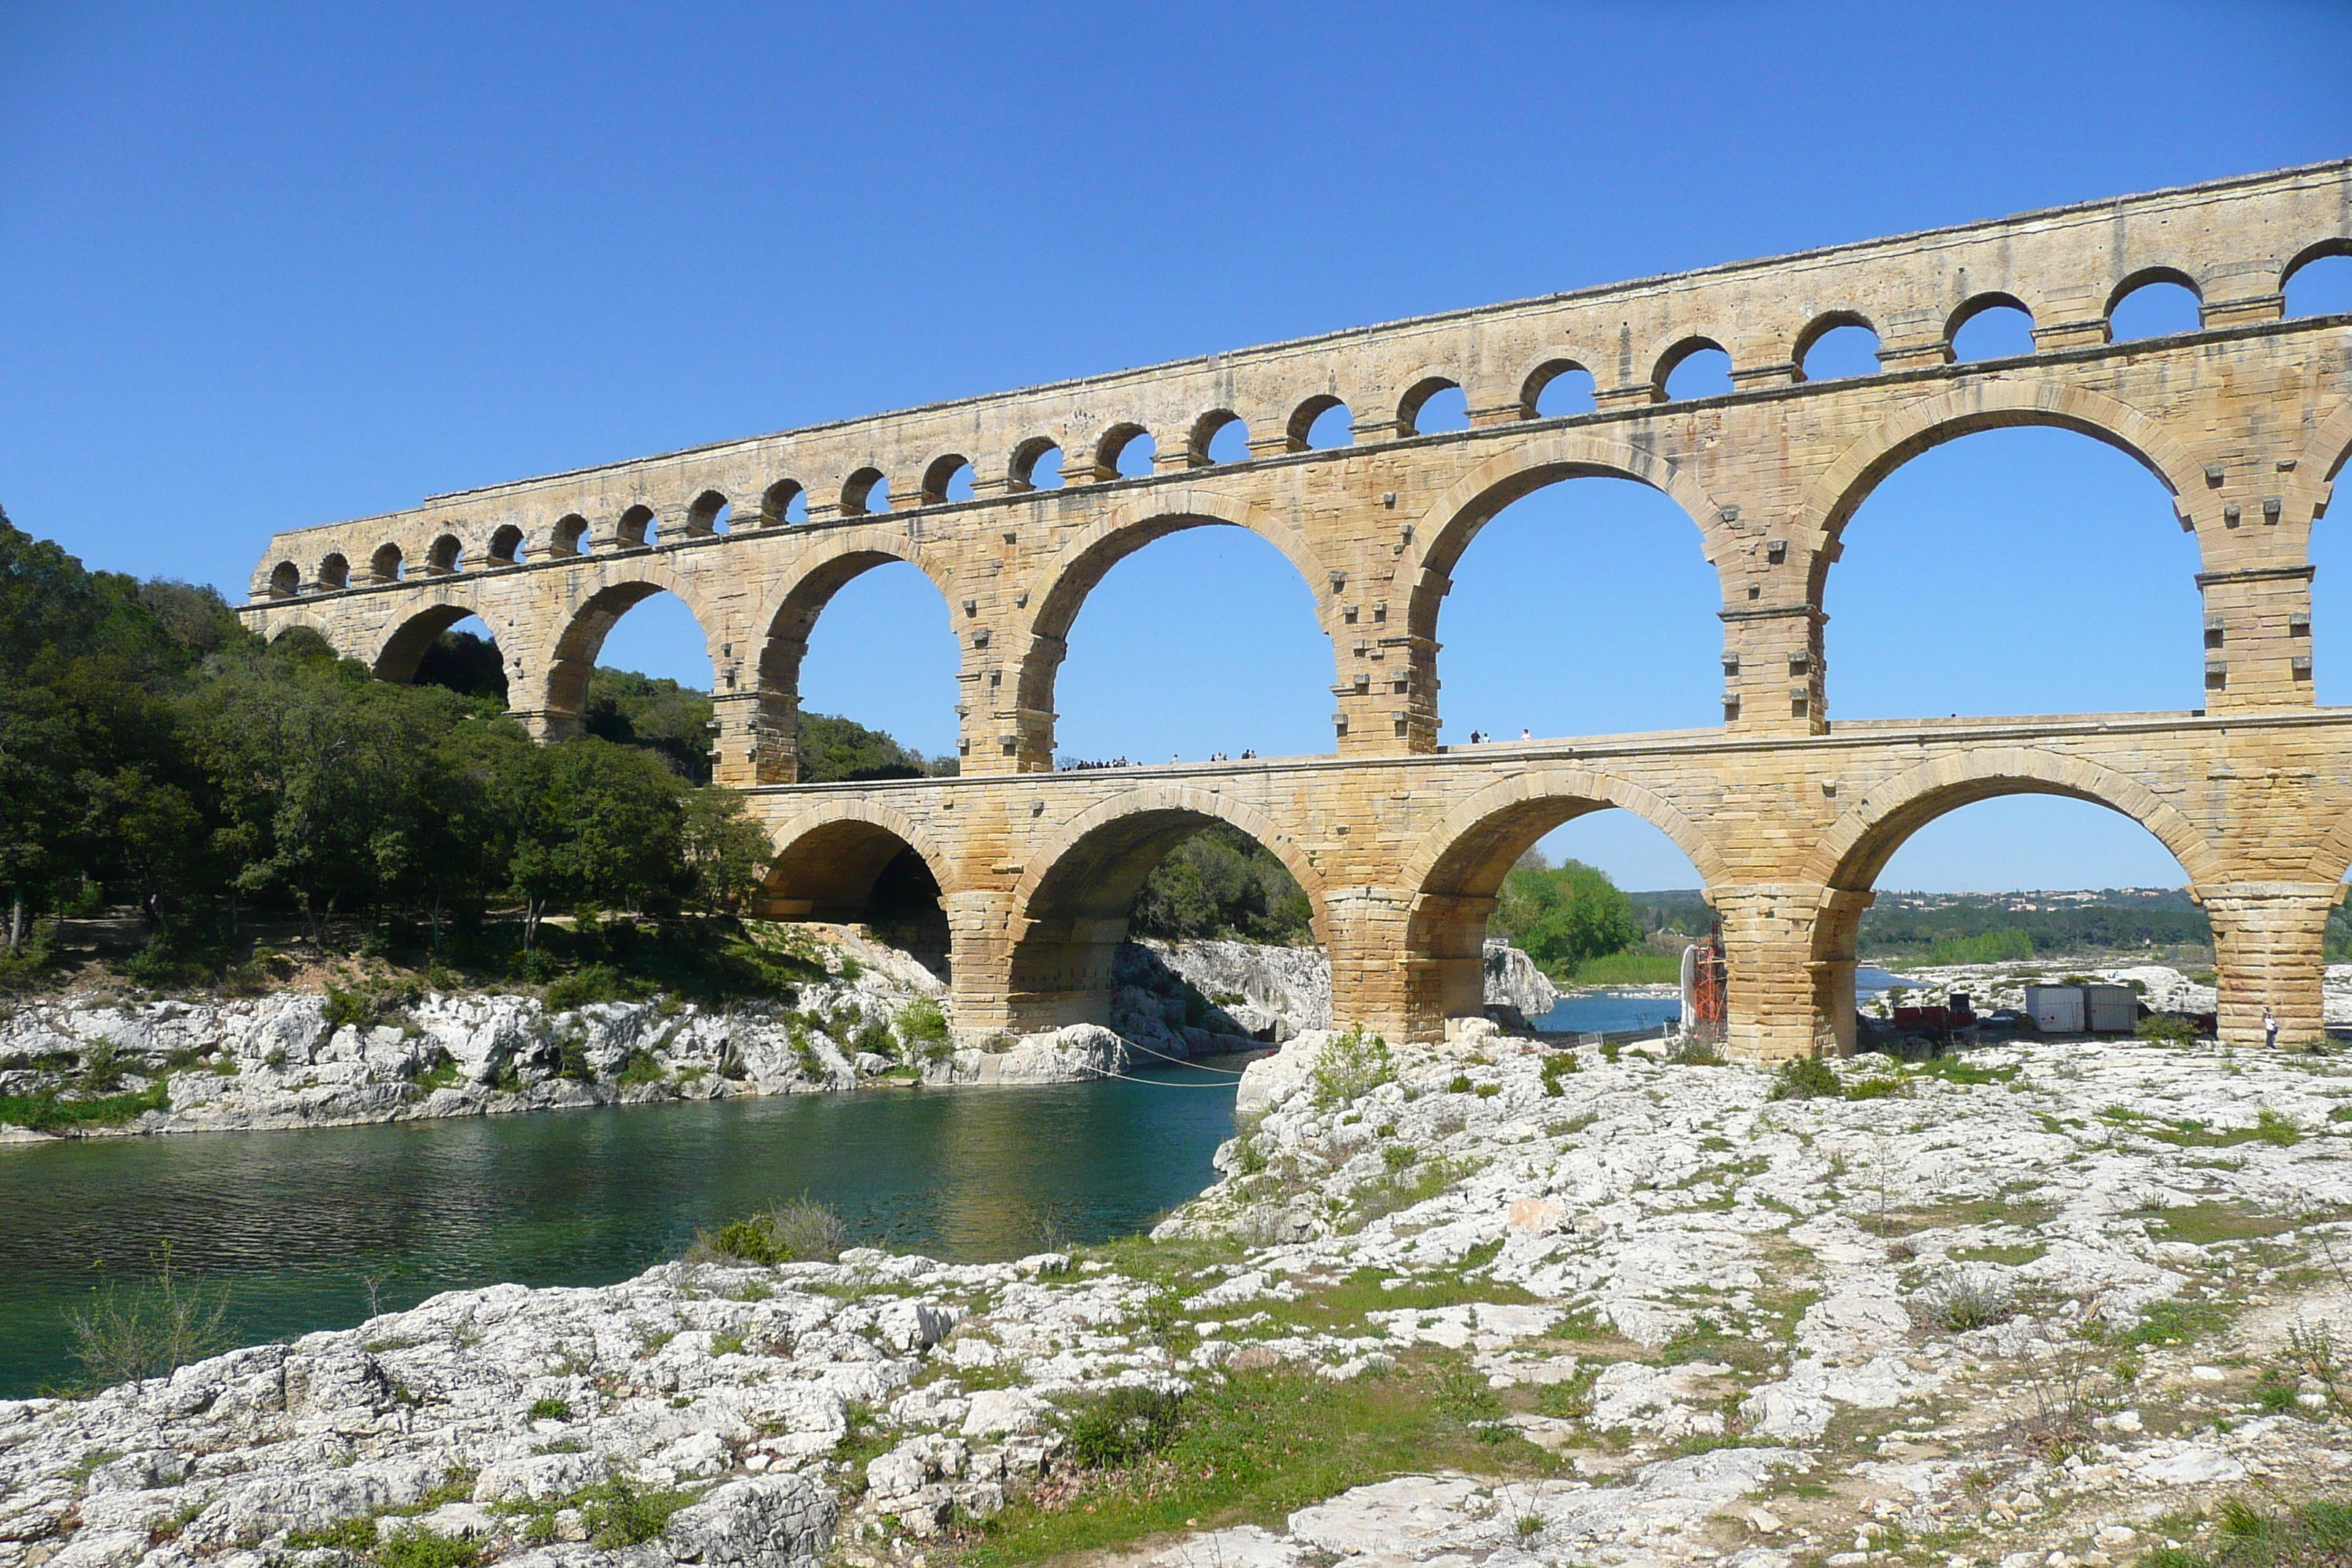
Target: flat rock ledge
2040, 1306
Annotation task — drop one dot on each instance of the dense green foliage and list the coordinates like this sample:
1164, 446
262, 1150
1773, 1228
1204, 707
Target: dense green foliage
149, 746
1221, 882
1563, 916
836, 750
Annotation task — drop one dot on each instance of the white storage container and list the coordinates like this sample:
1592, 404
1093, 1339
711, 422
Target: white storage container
2110, 1009
2055, 1009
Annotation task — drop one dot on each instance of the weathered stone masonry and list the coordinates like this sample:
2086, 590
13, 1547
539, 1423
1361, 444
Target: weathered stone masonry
1400, 843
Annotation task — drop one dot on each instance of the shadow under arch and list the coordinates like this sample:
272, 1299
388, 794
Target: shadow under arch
1069, 910
1455, 870
627, 585
396, 657
1087, 557
1838, 493
1856, 847
788, 616
862, 862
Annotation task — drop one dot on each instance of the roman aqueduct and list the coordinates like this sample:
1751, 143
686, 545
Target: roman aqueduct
1400, 843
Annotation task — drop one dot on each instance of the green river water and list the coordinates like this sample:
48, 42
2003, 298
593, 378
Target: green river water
301, 1227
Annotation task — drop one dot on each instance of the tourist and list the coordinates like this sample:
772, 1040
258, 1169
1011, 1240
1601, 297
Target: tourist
2270, 1028
1525, 733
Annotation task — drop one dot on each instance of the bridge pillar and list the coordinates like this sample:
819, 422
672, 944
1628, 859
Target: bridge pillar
2257, 637
1779, 990
1837, 933
2267, 941
1773, 681
757, 739
980, 965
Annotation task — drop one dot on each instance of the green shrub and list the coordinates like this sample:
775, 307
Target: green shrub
619, 1512
593, 983
642, 1068
873, 1037
1558, 1065
344, 1535
413, 1546
2275, 1129
1458, 1084
1351, 1065
1887, 1088
1114, 1428
800, 1231
550, 1410
131, 1332
347, 1007
2167, 1030
572, 1056
1806, 1078
923, 1029
1487, 1090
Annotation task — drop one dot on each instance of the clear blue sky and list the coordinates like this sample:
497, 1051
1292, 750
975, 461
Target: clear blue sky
269, 267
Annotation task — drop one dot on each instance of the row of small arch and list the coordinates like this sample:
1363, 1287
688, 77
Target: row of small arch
1558, 386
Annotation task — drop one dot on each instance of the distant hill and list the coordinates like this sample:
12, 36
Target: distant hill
1961, 928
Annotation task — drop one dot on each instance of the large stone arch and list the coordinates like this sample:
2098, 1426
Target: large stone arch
1446, 528
588, 617
826, 562
1068, 910
1454, 872
863, 861
396, 650
1988, 402
1856, 847
1087, 556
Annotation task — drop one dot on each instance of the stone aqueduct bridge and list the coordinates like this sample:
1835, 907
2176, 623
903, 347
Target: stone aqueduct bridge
1401, 843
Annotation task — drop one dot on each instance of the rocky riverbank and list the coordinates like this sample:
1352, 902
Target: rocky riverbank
85, 1067
2045, 1304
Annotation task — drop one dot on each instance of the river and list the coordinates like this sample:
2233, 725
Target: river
1607, 1012
314, 1229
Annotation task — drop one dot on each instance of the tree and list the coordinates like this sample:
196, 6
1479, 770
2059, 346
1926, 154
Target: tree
594, 825
1565, 916
726, 851
1222, 882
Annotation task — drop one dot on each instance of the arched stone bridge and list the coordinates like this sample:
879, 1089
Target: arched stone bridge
1400, 844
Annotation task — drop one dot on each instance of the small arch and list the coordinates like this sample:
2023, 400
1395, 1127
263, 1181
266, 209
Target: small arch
1218, 436
1411, 407
944, 478
1556, 388
1839, 344
505, 546
335, 572
707, 515
782, 504
385, 565
1320, 423
2154, 303
1030, 469
447, 555
2318, 281
570, 536
635, 529
1115, 454
867, 494
1695, 367
1998, 320
285, 580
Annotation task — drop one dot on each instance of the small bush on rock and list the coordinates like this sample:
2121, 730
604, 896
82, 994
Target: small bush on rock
132, 1332
618, 1513
924, 1029
1351, 1067
2168, 1029
800, 1231
1963, 1302
1116, 1428
1806, 1078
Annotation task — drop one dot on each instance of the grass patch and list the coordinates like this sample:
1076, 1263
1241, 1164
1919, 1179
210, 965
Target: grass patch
2207, 1225
1250, 1448
45, 1112
800, 1231
2316, 1533
1628, 968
